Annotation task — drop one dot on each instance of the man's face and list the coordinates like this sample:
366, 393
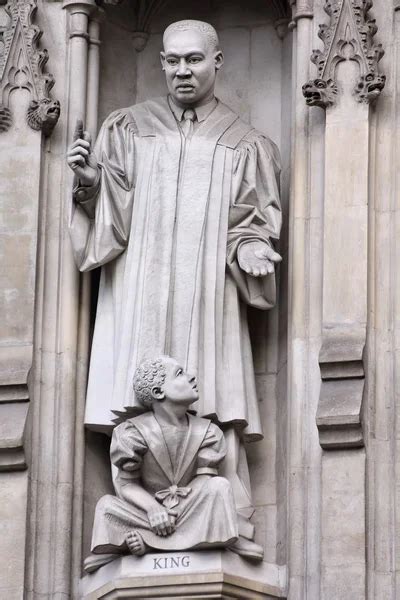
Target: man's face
179, 386
190, 63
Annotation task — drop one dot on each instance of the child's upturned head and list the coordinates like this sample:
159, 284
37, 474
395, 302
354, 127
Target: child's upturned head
162, 378
150, 373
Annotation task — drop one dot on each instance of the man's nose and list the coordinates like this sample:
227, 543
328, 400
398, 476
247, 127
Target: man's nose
192, 377
183, 68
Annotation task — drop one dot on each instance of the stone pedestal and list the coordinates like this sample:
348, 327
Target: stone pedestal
203, 574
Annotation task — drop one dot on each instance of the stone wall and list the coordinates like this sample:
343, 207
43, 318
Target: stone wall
325, 479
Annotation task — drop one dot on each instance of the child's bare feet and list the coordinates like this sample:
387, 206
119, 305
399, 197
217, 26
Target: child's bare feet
135, 543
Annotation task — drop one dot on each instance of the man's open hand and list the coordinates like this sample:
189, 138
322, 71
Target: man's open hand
257, 258
162, 520
80, 157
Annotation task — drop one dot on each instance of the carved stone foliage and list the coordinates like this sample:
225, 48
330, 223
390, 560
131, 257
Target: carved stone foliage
22, 65
349, 35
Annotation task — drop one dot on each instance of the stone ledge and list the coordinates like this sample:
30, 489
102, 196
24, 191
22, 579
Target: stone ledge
13, 417
185, 575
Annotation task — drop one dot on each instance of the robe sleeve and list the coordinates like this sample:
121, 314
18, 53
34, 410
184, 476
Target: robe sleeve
101, 215
212, 451
127, 450
255, 213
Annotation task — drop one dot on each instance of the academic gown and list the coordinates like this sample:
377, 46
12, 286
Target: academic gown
141, 451
165, 221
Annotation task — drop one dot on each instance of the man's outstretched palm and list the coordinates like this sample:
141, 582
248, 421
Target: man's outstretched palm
257, 258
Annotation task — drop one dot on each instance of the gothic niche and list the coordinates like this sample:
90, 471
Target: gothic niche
348, 36
22, 67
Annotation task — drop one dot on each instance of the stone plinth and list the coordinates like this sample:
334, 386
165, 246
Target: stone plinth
203, 574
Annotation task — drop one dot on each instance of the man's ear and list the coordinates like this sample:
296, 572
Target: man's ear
218, 59
162, 58
157, 393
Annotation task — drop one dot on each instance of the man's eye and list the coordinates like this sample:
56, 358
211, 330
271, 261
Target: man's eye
194, 60
179, 372
172, 61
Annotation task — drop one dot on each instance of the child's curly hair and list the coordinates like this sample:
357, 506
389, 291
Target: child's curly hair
150, 373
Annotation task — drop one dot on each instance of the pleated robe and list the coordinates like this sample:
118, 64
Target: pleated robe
165, 221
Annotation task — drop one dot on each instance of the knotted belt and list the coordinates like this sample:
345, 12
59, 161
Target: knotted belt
170, 496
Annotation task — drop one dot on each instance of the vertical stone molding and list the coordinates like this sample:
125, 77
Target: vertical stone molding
61, 343
344, 335
345, 266
349, 35
23, 82
96, 17
22, 65
383, 358
348, 82
92, 109
304, 324
349, 64
301, 9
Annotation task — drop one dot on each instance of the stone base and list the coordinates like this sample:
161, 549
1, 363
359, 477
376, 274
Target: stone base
186, 575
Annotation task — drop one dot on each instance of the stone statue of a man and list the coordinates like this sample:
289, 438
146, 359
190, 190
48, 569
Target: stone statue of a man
179, 204
168, 492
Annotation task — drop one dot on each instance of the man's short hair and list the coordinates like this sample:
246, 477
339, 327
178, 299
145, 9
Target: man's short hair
205, 28
149, 374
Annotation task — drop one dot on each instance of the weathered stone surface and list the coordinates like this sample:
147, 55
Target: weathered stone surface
342, 524
184, 574
335, 525
12, 429
13, 506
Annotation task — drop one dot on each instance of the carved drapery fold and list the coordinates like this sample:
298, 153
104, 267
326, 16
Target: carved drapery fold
22, 65
349, 35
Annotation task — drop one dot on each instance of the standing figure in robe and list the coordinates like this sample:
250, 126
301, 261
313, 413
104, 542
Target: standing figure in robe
168, 493
179, 204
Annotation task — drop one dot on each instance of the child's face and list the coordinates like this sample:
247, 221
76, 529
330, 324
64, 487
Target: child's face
179, 386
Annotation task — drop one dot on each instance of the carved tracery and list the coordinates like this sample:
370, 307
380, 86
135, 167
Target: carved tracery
349, 35
22, 65
145, 11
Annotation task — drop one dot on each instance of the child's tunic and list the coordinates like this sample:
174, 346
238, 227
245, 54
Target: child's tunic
165, 467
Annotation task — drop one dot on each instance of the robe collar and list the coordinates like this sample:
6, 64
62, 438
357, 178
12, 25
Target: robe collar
155, 118
202, 112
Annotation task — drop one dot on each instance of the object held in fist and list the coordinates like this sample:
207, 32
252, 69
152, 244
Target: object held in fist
78, 135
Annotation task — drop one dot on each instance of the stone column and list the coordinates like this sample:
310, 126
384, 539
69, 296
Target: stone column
92, 103
304, 330
83, 350
383, 374
60, 358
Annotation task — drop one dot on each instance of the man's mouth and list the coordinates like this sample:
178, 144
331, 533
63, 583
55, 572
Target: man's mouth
185, 87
